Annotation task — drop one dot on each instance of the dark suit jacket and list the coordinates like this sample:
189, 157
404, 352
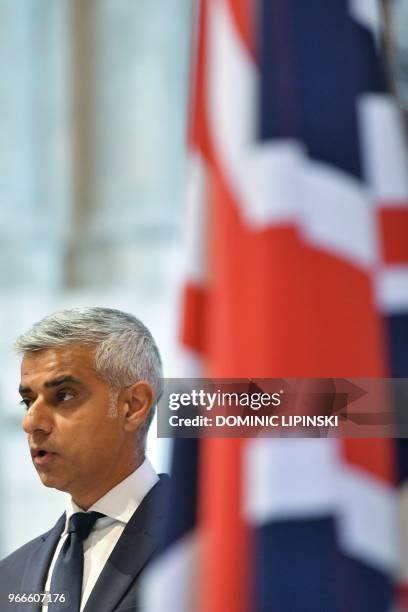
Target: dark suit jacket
116, 589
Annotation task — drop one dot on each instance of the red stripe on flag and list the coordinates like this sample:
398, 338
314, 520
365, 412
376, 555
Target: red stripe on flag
224, 573
394, 232
283, 309
193, 331
376, 456
198, 133
279, 308
242, 12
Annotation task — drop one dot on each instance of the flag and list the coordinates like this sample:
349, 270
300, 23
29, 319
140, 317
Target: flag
170, 582
297, 267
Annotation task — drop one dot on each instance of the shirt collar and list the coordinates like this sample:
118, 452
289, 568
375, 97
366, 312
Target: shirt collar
121, 502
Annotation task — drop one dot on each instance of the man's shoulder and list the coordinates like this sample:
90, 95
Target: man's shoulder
12, 566
22, 553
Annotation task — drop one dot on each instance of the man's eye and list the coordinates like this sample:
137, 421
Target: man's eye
26, 402
65, 396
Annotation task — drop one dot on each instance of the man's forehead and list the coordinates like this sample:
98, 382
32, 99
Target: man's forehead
74, 358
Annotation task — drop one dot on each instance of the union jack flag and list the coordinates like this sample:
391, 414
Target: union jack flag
297, 267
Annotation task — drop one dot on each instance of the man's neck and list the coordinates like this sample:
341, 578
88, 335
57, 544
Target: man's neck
86, 499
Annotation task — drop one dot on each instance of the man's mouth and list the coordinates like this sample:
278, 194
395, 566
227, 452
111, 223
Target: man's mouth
41, 456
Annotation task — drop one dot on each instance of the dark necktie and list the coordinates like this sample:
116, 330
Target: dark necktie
69, 567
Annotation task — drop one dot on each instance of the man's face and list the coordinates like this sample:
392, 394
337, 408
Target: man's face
75, 434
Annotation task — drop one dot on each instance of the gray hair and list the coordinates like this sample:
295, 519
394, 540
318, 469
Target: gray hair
125, 351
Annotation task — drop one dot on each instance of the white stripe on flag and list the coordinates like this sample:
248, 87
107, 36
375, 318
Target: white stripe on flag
297, 479
368, 519
368, 14
169, 582
336, 214
383, 149
196, 222
391, 285
270, 192
289, 478
231, 98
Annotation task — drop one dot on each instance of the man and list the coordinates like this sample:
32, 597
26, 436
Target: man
90, 378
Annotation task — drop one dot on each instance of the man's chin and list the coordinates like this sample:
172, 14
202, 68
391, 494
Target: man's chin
53, 481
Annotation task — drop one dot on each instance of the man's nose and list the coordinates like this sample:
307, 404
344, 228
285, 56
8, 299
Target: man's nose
37, 418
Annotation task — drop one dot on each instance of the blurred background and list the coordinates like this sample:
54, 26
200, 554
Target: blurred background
95, 146
93, 100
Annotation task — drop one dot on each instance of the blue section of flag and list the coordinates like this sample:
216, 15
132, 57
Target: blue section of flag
300, 568
182, 505
397, 327
364, 587
315, 63
296, 566
402, 460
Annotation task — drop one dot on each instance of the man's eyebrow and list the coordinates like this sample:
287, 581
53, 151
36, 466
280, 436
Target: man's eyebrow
55, 382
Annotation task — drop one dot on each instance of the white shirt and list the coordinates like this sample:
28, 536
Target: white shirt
118, 505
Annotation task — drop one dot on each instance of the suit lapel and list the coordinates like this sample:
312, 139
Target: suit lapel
38, 563
136, 545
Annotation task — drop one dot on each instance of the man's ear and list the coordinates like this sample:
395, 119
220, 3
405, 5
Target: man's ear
138, 402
